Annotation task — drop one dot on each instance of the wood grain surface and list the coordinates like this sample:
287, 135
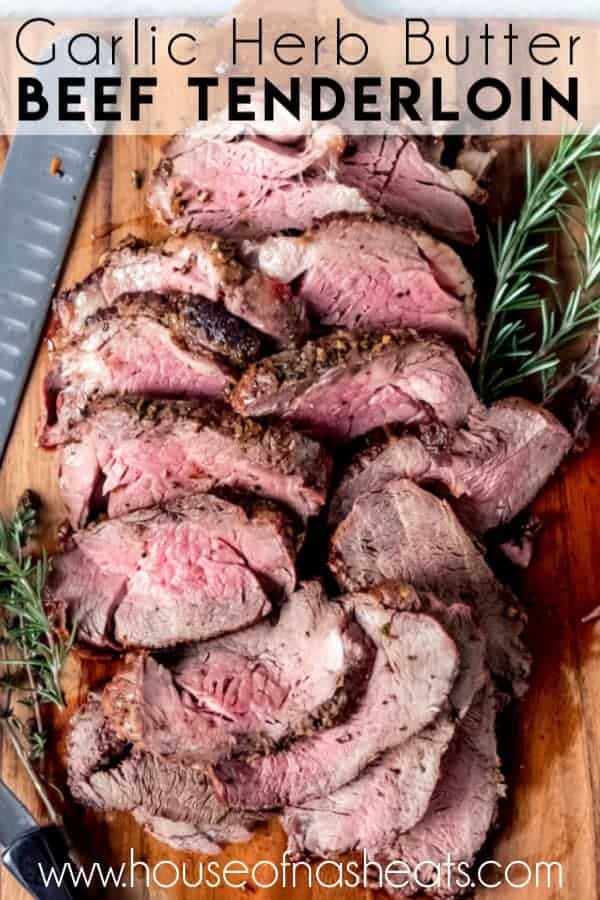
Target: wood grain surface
551, 742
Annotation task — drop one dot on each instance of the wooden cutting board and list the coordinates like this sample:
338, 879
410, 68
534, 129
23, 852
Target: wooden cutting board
552, 741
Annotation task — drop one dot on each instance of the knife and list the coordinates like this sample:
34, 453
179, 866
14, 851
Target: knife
41, 190
32, 852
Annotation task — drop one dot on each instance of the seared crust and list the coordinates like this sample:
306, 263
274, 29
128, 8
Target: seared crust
341, 348
195, 322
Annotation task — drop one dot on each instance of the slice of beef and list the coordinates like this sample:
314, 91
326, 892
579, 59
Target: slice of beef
171, 345
274, 184
270, 186
415, 667
373, 274
462, 811
347, 383
174, 802
200, 265
246, 691
198, 567
127, 455
390, 796
396, 173
403, 531
490, 471
393, 793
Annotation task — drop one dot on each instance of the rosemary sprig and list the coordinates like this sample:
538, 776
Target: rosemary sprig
511, 352
32, 652
28, 628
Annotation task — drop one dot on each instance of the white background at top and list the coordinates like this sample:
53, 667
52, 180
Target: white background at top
481, 9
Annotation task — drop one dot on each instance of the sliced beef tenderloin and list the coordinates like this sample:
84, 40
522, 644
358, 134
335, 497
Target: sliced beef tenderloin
274, 183
373, 274
176, 803
271, 185
403, 531
396, 173
415, 667
127, 455
461, 813
490, 470
347, 383
393, 793
247, 691
199, 567
170, 345
199, 265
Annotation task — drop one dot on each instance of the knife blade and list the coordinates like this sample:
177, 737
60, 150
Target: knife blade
40, 210
32, 852
45, 176
15, 818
